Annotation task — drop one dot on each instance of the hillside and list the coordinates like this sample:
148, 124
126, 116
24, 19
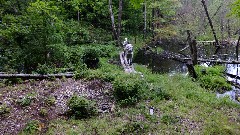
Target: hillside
180, 106
103, 93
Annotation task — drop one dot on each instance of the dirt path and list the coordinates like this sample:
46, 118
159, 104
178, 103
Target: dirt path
39, 92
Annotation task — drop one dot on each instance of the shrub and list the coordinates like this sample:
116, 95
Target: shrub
91, 57
212, 78
104, 50
50, 100
133, 128
128, 89
43, 69
76, 33
159, 93
169, 119
4, 109
25, 101
43, 112
81, 107
31, 127
12, 81
81, 71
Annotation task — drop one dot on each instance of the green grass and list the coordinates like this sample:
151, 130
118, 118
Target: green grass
181, 106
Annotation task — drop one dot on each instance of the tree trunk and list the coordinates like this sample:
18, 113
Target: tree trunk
211, 25
119, 21
237, 47
228, 28
194, 55
112, 20
193, 48
145, 20
191, 69
153, 22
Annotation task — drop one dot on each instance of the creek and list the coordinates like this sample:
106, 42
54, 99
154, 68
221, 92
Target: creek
159, 64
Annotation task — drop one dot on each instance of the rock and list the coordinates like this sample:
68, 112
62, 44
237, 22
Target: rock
105, 107
112, 108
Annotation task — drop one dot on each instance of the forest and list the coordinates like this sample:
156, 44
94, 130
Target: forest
63, 68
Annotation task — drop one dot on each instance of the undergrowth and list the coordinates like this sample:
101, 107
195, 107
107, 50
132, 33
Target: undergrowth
180, 106
212, 78
80, 107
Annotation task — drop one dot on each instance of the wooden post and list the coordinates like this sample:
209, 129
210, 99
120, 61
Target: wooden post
191, 69
193, 47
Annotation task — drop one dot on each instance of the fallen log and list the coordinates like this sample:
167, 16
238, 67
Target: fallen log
234, 84
233, 76
35, 76
219, 61
184, 59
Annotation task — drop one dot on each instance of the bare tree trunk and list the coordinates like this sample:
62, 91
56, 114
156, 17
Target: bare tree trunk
228, 28
145, 20
112, 20
119, 21
237, 47
153, 23
193, 47
191, 69
210, 23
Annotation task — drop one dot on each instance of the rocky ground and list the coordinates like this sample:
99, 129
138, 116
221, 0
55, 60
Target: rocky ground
47, 100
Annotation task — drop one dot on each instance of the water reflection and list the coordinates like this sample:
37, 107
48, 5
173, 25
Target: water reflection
162, 65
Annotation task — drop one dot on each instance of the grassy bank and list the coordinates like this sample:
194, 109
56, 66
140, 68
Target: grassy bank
181, 106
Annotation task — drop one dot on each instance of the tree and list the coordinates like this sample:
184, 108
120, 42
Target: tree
34, 33
114, 31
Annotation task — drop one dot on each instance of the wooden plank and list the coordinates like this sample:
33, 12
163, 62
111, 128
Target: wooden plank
34, 76
206, 41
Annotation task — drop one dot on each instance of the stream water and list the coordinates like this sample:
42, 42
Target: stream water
164, 65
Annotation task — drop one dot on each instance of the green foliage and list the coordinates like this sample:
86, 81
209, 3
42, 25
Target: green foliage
25, 101
31, 127
107, 72
81, 107
30, 34
43, 112
159, 94
50, 100
169, 119
43, 69
235, 8
136, 3
128, 89
133, 128
91, 57
76, 33
213, 78
12, 81
4, 109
